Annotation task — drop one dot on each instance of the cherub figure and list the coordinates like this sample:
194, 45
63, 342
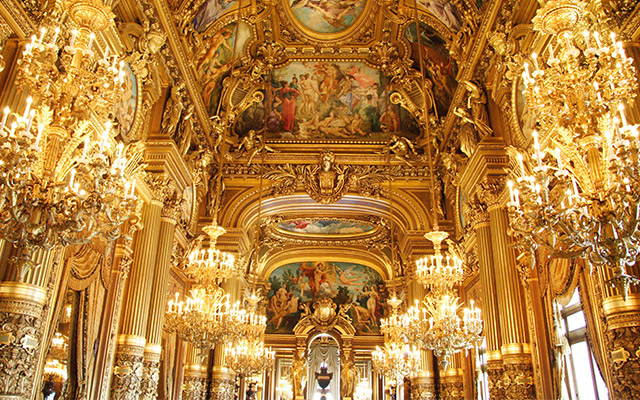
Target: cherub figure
402, 148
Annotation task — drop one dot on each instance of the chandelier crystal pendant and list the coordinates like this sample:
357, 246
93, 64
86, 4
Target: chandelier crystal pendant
284, 390
437, 325
248, 357
578, 194
59, 183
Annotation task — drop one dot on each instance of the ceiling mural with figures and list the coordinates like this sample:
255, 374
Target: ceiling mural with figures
327, 16
294, 288
318, 100
326, 227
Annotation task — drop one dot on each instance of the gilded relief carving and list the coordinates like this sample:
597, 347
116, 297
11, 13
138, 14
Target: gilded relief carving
327, 181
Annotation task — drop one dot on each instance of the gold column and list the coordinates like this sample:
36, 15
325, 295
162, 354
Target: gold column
128, 367
423, 385
451, 380
153, 347
516, 350
195, 376
21, 314
490, 316
622, 335
222, 380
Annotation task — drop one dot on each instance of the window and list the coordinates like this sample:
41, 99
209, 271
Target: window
582, 379
482, 381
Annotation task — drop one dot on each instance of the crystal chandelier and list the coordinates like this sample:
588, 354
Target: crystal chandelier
437, 325
249, 357
211, 266
362, 390
59, 185
203, 319
578, 195
284, 390
396, 359
206, 318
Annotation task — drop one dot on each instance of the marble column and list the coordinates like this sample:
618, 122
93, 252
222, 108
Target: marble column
128, 369
195, 376
153, 347
518, 378
491, 318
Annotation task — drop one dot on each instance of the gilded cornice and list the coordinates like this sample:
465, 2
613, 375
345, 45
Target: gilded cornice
467, 69
182, 60
16, 16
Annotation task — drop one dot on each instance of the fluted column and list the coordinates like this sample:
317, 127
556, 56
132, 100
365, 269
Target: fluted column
622, 335
491, 317
195, 376
25, 309
518, 380
128, 368
222, 380
153, 348
423, 384
451, 380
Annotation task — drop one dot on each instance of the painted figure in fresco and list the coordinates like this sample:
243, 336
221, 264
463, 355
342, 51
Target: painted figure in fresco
389, 121
332, 11
355, 127
209, 12
282, 304
288, 97
309, 93
444, 11
210, 59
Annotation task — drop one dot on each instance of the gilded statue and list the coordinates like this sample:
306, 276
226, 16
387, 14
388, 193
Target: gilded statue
173, 111
347, 378
299, 372
402, 148
253, 144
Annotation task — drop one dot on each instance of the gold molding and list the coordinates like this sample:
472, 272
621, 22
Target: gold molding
23, 291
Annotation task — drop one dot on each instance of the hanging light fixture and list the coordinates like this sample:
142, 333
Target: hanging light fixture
284, 390
362, 391
397, 359
249, 357
59, 184
435, 325
578, 194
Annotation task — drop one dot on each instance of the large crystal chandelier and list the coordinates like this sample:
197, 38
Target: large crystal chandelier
363, 390
60, 183
437, 325
578, 194
397, 358
284, 390
206, 318
249, 357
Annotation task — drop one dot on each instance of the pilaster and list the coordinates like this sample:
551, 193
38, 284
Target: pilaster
153, 348
128, 370
195, 376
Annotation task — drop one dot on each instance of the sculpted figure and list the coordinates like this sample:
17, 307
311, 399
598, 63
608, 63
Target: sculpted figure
253, 144
402, 148
173, 111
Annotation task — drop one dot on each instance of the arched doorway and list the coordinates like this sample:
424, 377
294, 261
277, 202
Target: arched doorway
323, 349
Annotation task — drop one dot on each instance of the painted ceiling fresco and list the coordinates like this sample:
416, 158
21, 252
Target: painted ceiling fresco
209, 12
444, 11
438, 65
217, 58
327, 16
295, 284
326, 227
319, 100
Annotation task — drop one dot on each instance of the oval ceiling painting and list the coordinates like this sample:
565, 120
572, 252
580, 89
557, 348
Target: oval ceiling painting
327, 16
326, 227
